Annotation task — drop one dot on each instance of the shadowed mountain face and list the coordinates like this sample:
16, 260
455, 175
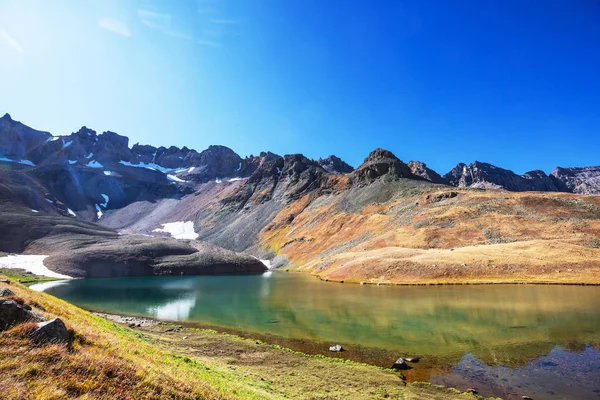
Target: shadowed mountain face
386, 220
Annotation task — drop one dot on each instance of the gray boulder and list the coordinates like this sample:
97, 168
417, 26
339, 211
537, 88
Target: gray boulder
53, 331
5, 292
12, 313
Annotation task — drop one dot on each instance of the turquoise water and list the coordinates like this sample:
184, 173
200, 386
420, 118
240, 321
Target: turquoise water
499, 325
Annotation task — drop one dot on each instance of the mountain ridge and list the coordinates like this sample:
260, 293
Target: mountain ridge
385, 221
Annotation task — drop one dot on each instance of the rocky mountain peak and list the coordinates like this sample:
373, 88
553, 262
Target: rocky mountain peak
583, 180
420, 169
335, 165
380, 155
84, 132
7, 117
487, 176
378, 163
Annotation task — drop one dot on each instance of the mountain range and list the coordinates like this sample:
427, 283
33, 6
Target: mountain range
292, 210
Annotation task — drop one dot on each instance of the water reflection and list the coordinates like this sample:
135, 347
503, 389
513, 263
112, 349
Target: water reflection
43, 286
177, 310
560, 374
508, 325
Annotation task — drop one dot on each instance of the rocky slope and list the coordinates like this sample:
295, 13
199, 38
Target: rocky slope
577, 180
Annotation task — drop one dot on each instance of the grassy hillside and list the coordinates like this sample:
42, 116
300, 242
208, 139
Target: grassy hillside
399, 232
108, 360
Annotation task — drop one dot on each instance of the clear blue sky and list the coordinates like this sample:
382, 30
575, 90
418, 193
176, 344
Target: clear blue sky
511, 82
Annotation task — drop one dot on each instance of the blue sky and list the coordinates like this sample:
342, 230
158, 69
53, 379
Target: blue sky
511, 82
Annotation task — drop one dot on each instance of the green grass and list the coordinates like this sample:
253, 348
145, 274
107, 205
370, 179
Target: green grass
22, 277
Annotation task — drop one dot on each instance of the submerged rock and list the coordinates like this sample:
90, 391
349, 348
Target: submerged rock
400, 364
337, 348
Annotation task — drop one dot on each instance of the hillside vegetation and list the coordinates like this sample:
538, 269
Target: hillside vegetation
398, 233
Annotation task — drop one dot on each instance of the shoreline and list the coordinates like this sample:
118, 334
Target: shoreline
37, 276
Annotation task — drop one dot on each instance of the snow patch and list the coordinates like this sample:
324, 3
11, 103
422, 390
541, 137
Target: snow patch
108, 173
33, 264
267, 263
72, 162
106, 198
53, 138
174, 178
98, 211
66, 144
179, 230
218, 180
71, 212
35, 211
90, 155
49, 201
237, 178
239, 167
191, 169
24, 162
94, 164
152, 166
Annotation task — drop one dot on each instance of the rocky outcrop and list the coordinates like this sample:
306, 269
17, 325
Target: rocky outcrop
18, 140
53, 331
5, 292
216, 162
577, 180
12, 313
138, 255
381, 163
335, 165
487, 176
420, 169
539, 181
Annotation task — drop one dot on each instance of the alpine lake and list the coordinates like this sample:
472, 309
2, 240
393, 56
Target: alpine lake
542, 341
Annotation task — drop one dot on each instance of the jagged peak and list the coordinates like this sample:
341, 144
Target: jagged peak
380, 154
535, 172
85, 131
7, 116
335, 165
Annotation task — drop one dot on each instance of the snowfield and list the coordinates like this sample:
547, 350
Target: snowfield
24, 162
152, 166
179, 230
94, 164
174, 178
33, 264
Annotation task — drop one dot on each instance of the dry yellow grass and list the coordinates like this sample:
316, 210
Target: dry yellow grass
466, 237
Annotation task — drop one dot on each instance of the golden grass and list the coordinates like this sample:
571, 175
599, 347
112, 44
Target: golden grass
500, 237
